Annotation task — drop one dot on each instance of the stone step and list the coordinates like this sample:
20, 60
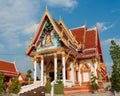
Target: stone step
80, 89
40, 91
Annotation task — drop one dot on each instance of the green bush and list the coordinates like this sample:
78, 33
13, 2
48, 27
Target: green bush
2, 84
59, 88
48, 85
94, 84
15, 87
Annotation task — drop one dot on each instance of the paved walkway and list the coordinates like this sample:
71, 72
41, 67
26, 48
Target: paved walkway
108, 93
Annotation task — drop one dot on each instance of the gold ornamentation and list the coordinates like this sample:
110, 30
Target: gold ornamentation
55, 55
41, 56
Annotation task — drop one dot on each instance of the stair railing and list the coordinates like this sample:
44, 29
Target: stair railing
30, 87
52, 88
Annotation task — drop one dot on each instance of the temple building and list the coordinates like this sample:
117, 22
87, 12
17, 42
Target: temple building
70, 55
9, 69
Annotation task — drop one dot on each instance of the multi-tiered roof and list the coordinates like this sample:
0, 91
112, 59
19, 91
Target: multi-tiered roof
8, 68
83, 42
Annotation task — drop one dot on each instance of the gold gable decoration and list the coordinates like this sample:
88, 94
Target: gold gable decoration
85, 68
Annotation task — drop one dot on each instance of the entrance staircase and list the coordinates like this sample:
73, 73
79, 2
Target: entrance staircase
34, 89
77, 89
40, 91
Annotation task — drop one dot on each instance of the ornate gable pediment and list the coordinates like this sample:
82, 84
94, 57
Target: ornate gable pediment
48, 38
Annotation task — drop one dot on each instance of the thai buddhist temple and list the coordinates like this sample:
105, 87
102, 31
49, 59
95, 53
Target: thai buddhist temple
67, 54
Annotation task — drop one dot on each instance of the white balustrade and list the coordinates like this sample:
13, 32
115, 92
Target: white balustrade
52, 88
30, 87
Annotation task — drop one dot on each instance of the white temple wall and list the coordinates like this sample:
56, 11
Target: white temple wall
84, 77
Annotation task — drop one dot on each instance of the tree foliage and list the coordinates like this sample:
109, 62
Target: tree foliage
115, 76
93, 81
15, 87
29, 76
2, 83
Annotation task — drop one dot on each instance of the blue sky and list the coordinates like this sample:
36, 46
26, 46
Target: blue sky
20, 18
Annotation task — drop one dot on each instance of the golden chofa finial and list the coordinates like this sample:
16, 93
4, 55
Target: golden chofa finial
85, 22
46, 8
60, 18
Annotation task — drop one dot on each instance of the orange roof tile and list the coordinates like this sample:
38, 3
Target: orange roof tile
79, 33
87, 39
90, 39
8, 68
23, 75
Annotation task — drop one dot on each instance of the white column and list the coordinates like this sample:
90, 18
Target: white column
55, 66
72, 73
79, 75
42, 69
95, 69
35, 70
63, 68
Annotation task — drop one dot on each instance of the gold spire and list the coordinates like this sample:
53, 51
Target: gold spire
97, 26
85, 22
46, 8
60, 18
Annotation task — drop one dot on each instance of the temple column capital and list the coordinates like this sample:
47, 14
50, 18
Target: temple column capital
42, 57
55, 55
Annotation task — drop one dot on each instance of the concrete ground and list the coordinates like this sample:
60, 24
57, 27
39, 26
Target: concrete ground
108, 93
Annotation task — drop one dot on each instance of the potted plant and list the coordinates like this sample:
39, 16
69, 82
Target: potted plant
94, 83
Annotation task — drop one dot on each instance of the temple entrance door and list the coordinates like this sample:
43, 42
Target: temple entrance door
51, 75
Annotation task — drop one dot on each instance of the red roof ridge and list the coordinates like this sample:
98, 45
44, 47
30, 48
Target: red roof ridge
8, 68
15, 66
78, 27
94, 28
7, 61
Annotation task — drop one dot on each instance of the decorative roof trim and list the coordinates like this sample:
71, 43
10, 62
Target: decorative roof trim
8, 71
94, 28
15, 66
84, 26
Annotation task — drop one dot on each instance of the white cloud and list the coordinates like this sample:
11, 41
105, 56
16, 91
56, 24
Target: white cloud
1, 47
109, 67
30, 29
115, 10
16, 16
62, 3
108, 41
102, 26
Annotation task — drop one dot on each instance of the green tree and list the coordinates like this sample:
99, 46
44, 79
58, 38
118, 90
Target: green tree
115, 76
15, 87
2, 84
29, 76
